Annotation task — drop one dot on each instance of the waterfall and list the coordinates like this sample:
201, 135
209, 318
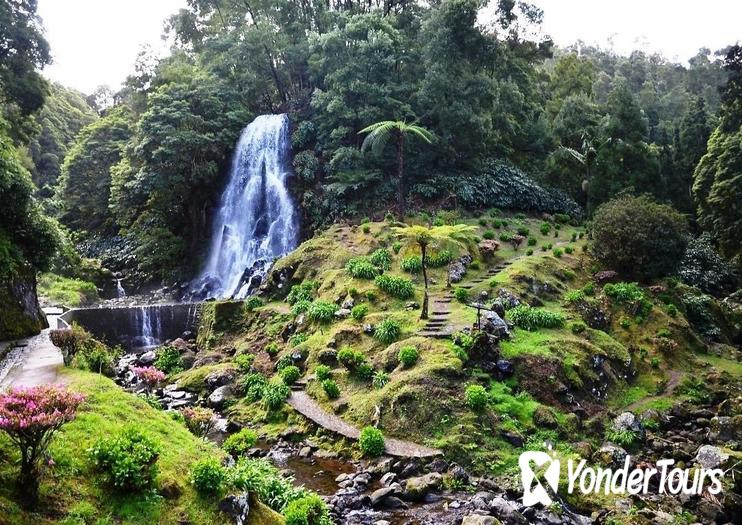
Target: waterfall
256, 221
149, 322
120, 292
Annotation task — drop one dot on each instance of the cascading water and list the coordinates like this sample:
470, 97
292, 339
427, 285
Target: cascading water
150, 320
120, 292
256, 221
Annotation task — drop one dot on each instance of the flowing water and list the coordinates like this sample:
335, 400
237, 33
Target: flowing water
256, 221
120, 292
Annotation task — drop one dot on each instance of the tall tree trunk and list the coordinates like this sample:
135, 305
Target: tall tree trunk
424, 313
400, 176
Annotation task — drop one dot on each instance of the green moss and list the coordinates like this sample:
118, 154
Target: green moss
64, 291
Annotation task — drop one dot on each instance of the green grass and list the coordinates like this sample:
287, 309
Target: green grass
68, 292
72, 487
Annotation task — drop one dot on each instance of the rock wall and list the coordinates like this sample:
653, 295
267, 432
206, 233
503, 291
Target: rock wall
20, 313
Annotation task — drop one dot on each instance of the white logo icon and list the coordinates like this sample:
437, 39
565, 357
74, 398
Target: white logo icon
533, 491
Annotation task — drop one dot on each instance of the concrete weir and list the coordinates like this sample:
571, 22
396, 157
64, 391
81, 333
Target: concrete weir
135, 326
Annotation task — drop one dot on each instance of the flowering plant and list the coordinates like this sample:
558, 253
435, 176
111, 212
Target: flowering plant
30, 417
149, 375
199, 420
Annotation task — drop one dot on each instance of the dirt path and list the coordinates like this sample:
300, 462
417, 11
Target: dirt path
672, 384
306, 406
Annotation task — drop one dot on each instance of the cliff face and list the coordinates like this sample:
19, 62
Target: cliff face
20, 313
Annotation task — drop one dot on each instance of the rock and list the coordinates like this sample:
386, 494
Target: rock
457, 269
606, 276
387, 479
544, 417
170, 489
493, 324
147, 358
514, 439
610, 455
417, 488
219, 396
488, 247
305, 452
507, 512
709, 456
378, 496
220, 378
722, 428
458, 473
236, 507
369, 329
628, 421
479, 519
439, 465
180, 345
348, 304
328, 357
393, 502
412, 306
505, 368
343, 313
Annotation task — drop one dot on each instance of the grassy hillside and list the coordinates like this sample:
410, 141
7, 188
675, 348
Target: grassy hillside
73, 493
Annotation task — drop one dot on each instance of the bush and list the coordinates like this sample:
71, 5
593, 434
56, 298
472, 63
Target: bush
275, 395
208, 476
381, 259
624, 438
638, 237
412, 264
272, 349
624, 293
366, 228
244, 362
301, 307
253, 302
322, 311
361, 268
351, 359
532, 319
290, 374
569, 250
254, 385
397, 246
81, 350
371, 442
488, 234
388, 331
522, 230
578, 327
408, 356
301, 292
309, 510
260, 477
359, 311
331, 388
574, 296
128, 460
168, 360
497, 224
532, 241
199, 420
149, 376
506, 236
545, 228
380, 379
562, 218
476, 397
364, 371
703, 268
529, 251
461, 294
399, 287
558, 253
322, 372
241, 442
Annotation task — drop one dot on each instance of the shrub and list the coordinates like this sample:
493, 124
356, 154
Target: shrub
168, 360
388, 331
254, 385
408, 356
366, 228
260, 477
322, 311
589, 289
371, 442
624, 293
397, 246
495, 212
199, 420
544, 247
569, 250
624, 438
522, 230
128, 460
364, 371
241, 442
638, 237
574, 296
361, 268
562, 218
672, 310
532, 241
573, 238
351, 359
331, 388
301, 307
272, 349
381, 259
30, 416
488, 234
275, 395
532, 319
380, 379
482, 221
244, 362
497, 224
322, 372
371, 296
149, 376
529, 251
359, 311
506, 236
705, 269
545, 228
296, 339
81, 350
476, 397
412, 264
253, 302
558, 253
309, 510
399, 287
578, 327
208, 476
301, 292
625, 323
461, 294
290, 374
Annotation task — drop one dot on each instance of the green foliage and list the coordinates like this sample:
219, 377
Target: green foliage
624, 293
476, 397
371, 442
308, 510
388, 331
359, 311
396, 247
350, 358
506, 236
399, 287
168, 360
301, 292
488, 234
461, 294
638, 237
243, 362
261, 478
569, 250
208, 476
439, 259
545, 228
240, 442
412, 264
362, 268
532, 241
532, 319
578, 327
295, 340
290, 374
67, 291
322, 372
558, 253
380, 379
275, 395
624, 438
331, 388
252, 303
381, 259
322, 312
81, 350
574, 296
128, 460
408, 356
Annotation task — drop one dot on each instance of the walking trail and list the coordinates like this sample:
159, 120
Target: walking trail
32, 361
308, 407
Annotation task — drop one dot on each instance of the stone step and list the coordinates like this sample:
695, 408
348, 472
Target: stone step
434, 335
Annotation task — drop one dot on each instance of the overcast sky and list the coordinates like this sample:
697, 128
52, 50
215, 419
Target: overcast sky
96, 42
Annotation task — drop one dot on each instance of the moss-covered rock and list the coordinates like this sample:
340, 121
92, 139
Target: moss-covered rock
21, 314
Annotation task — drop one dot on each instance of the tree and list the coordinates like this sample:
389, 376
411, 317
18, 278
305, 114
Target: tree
30, 417
380, 133
692, 138
457, 236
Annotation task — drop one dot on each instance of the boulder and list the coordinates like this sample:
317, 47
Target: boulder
628, 421
507, 511
488, 247
544, 417
180, 345
457, 269
610, 455
479, 519
709, 456
219, 396
237, 507
417, 488
493, 324
605, 276
147, 358
328, 357
378, 496
343, 313
220, 378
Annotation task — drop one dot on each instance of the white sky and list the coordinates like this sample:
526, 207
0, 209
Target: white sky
96, 42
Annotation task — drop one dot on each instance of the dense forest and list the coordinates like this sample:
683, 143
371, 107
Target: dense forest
135, 174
